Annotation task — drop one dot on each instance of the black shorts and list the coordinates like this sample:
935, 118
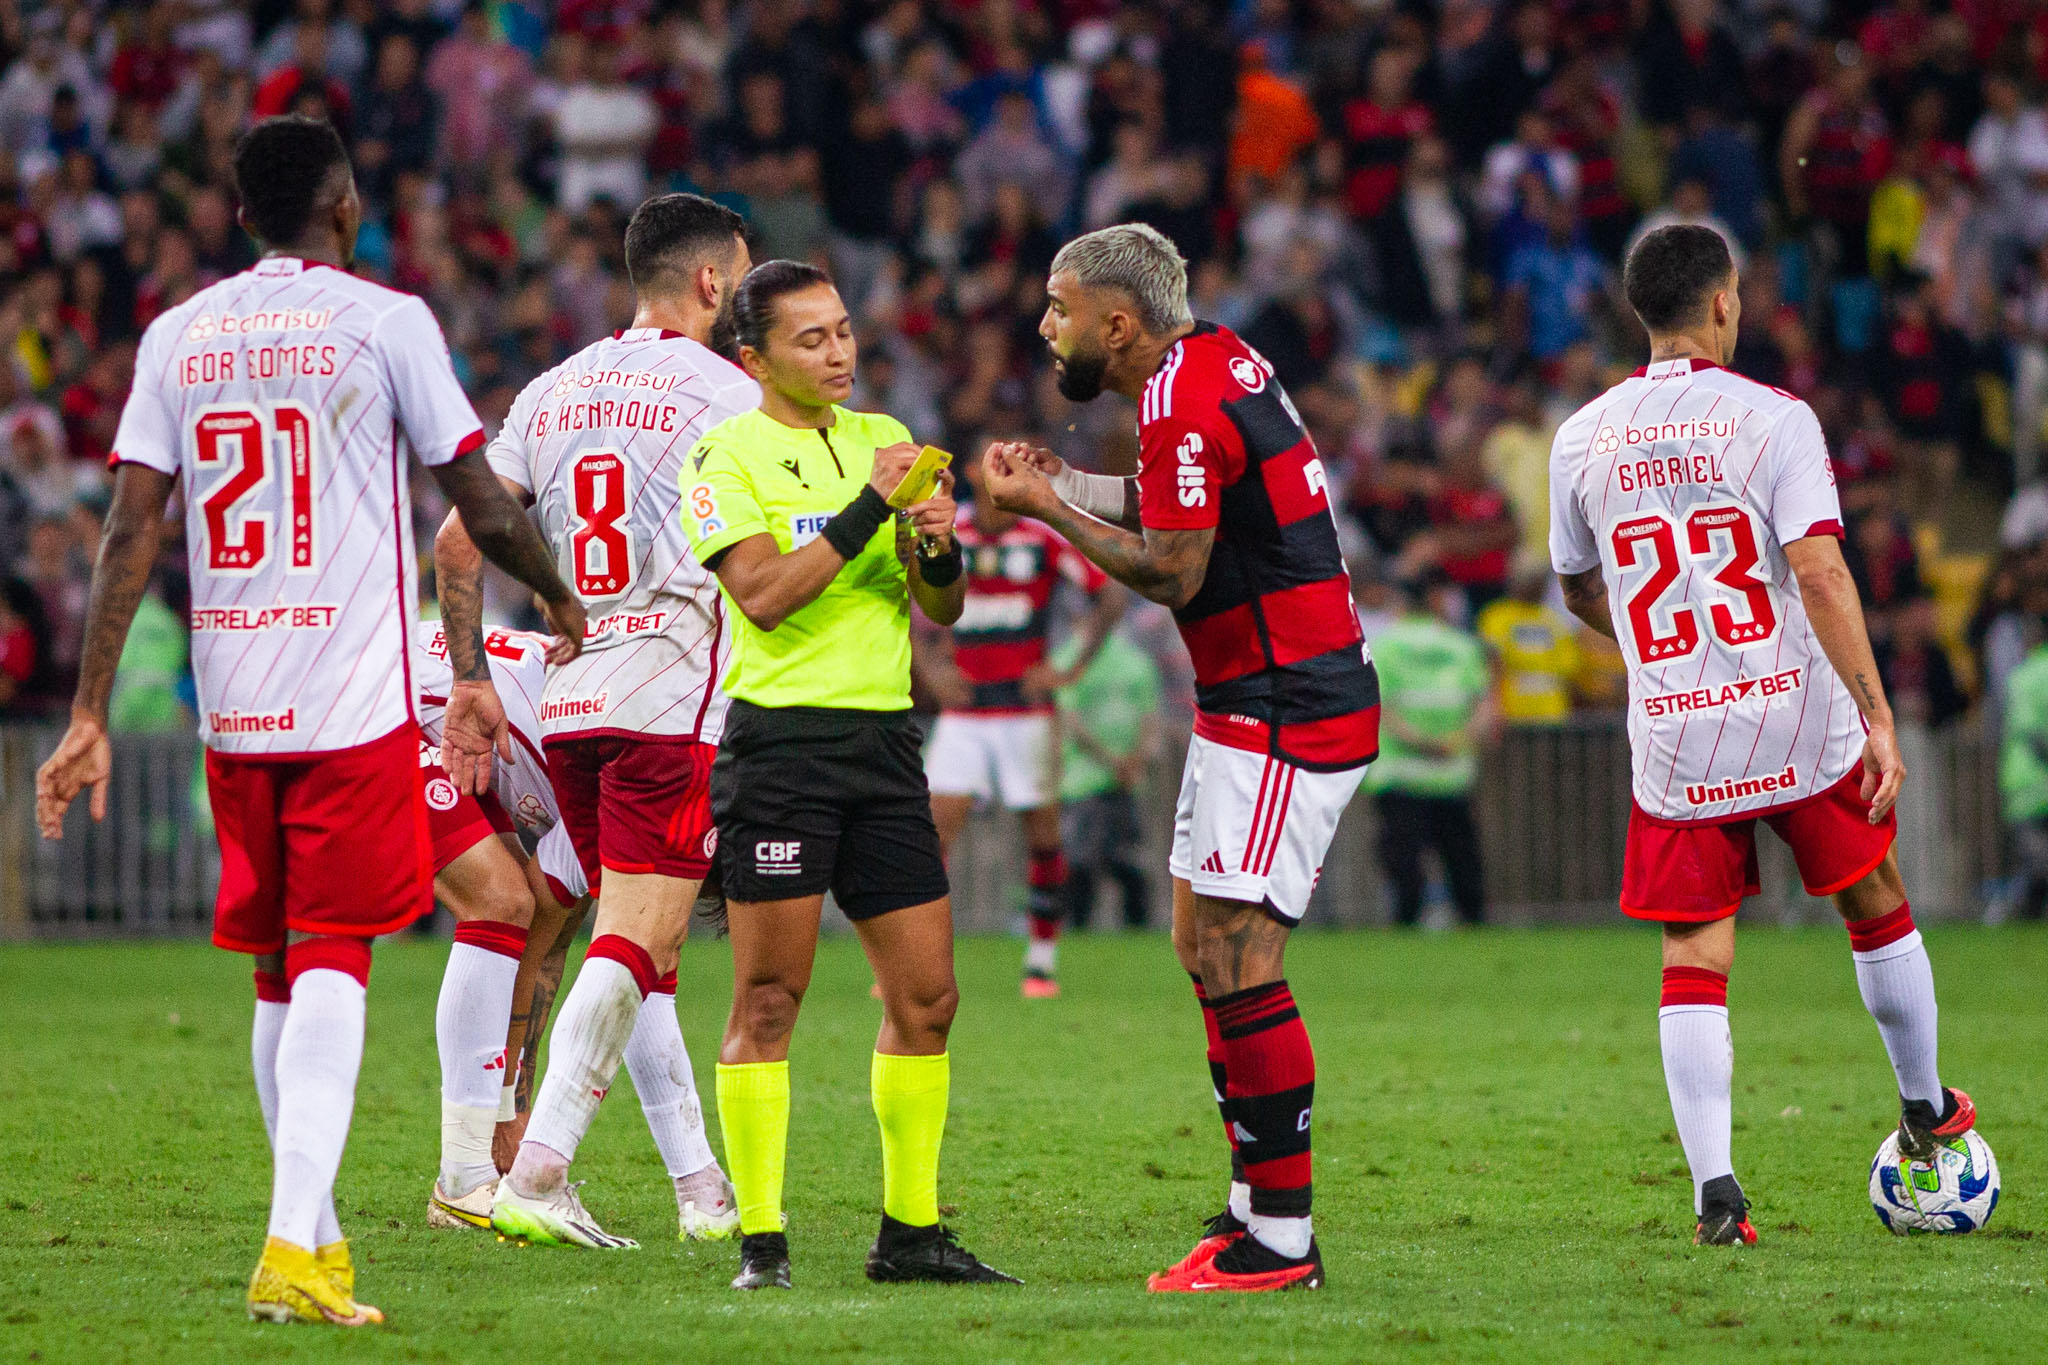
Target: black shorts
812, 798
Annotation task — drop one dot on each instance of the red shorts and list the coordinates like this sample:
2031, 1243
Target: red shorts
332, 843
456, 821
635, 805
1688, 874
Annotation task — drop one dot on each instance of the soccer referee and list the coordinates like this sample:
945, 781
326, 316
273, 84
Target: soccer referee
818, 782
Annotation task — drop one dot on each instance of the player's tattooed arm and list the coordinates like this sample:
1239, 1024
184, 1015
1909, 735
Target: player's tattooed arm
494, 521
1586, 595
1835, 611
127, 553
459, 584
1162, 566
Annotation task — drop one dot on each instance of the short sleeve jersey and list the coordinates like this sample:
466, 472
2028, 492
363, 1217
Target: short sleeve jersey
288, 401
1012, 580
1280, 664
1682, 485
518, 661
599, 442
1433, 677
849, 648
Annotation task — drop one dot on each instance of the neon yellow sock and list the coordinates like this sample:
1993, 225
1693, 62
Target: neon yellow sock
910, 1104
753, 1109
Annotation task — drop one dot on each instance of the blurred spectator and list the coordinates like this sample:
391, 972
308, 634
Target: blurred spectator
24, 650
480, 83
2023, 778
305, 77
1837, 146
1918, 678
1691, 203
603, 125
1554, 284
1434, 711
1110, 720
1535, 651
1011, 150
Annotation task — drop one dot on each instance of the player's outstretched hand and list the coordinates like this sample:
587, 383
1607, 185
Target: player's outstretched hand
566, 619
1884, 772
83, 759
891, 464
933, 518
1015, 480
472, 729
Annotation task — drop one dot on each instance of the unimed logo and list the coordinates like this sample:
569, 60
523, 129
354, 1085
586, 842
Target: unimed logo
1736, 788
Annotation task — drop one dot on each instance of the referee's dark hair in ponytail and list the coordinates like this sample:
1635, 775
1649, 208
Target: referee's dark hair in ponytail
754, 306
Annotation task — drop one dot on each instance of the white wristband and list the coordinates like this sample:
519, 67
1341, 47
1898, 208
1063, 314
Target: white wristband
1099, 495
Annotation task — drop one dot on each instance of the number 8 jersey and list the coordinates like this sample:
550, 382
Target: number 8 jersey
1683, 484
284, 400
599, 441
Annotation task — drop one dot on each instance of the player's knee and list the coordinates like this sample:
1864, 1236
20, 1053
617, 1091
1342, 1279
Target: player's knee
766, 1011
930, 1007
504, 897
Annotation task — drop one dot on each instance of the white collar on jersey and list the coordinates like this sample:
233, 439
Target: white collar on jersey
1664, 369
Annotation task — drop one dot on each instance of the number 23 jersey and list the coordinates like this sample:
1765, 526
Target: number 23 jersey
599, 442
1683, 484
284, 399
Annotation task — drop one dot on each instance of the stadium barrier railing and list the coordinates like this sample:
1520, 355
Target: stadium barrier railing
1552, 806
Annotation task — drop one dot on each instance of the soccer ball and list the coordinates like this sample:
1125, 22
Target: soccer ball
1955, 1192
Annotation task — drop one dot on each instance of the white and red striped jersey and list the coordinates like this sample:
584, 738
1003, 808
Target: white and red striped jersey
1683, 483
600, 441
519, 663
285, 400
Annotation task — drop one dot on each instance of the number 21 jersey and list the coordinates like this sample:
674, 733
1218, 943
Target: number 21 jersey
599, 442
284, 399
1683, 484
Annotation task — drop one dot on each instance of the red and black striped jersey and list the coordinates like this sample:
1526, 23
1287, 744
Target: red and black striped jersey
1280, 664
1011, 581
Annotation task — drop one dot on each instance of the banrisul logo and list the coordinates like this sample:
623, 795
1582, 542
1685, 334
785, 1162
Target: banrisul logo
1611, 438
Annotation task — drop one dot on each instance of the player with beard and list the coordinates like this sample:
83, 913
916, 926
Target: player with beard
596, 445
1228, 522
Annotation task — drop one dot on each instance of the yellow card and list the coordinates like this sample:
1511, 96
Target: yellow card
921, 480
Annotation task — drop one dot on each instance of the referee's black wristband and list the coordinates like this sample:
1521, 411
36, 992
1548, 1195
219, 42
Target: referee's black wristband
857, 522
939, 571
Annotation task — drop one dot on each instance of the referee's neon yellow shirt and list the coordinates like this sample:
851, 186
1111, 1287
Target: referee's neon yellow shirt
851, 647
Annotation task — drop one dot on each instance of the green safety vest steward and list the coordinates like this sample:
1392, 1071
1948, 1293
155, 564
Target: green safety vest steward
2023, 757
751, 475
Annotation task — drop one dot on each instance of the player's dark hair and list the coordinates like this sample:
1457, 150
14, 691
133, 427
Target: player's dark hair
670, 235
282, 165
1673, 272
754, 305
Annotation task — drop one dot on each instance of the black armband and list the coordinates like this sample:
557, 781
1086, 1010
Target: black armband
857, 522
939, 571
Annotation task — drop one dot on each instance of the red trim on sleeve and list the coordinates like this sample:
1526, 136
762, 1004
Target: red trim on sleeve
1825, 528
473, 441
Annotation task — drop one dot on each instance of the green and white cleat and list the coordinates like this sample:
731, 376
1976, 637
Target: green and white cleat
471, 1210
557, 1219
707, 1210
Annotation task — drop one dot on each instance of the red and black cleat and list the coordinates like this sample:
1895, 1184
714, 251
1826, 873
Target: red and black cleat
1724, 1216
1246, 1266
1222, 1230
1921, 1132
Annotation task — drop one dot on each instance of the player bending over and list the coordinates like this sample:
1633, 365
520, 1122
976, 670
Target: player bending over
996, 739
597, 445
1694, 519
515, 918
281, 401
1228, 523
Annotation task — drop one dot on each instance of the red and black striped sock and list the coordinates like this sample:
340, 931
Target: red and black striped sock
1046, 878
1271, 1072
1218, 1075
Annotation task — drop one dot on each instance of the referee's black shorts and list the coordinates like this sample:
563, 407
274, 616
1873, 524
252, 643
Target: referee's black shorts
810, 798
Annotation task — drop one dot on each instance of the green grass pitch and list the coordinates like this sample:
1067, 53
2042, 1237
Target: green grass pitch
1495, 1169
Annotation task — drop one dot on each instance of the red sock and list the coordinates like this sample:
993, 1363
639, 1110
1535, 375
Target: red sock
1272, 1084
1218, 1074
1047, 878
330, 951
629, 955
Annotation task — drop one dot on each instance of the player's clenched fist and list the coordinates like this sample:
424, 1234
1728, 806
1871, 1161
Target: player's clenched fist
1015, 479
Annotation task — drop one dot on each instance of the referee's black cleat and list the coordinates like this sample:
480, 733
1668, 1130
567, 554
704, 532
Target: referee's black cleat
764, 1261
903, 1254
1724, 1215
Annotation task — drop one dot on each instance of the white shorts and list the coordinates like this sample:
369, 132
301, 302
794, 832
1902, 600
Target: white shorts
556, 853
1012, 758
1250, 827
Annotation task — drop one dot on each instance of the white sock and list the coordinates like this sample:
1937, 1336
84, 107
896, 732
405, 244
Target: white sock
1041, 955
319, 1052
1288, 1236
590, 1037
660, 1067
1241, 1202
1897, 983
469, 1025
270, 1015
1699, 1071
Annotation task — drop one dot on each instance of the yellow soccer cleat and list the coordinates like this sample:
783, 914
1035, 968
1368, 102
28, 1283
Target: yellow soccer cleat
334, 1259
291, 1286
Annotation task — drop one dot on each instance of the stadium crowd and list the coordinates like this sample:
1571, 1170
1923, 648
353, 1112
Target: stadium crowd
1416, 211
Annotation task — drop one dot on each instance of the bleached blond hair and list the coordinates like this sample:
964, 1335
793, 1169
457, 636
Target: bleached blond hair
1139, 260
